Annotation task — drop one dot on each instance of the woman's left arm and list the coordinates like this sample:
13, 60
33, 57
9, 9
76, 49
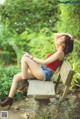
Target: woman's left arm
51, 59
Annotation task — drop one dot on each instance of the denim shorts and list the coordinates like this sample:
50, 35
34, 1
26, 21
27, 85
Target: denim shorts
48, 73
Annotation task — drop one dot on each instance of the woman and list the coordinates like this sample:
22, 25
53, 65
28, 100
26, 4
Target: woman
33, 67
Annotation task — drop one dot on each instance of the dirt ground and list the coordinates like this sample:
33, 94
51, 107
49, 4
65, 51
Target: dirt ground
28, 108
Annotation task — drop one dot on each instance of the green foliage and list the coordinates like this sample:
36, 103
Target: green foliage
69, 22
42, 44
33, 14
75, 61
70, 19
6, 79
6, 75
38, 44
6, 36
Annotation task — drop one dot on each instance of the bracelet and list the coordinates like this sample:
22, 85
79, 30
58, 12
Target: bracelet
32, 57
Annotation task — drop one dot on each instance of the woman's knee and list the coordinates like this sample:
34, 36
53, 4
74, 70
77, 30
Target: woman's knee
16, 78
25, 59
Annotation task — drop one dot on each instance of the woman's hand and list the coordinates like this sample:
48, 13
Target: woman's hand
27, 55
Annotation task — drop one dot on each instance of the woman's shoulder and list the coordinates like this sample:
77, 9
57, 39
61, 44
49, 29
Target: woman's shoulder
61, 54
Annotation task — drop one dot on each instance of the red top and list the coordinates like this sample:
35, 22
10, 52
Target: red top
54, 65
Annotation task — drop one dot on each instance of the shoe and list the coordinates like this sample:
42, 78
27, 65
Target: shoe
24, 84
7, 101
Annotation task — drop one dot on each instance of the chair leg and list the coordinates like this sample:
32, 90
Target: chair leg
66, 89
56, 85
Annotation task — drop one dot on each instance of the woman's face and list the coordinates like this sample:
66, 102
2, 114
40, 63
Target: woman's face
60, 42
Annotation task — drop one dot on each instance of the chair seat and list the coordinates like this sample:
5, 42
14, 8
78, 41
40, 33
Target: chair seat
41, 89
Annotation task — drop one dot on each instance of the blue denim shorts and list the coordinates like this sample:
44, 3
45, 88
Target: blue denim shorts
48, 73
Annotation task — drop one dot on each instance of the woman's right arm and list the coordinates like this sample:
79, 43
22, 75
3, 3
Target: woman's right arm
58, 35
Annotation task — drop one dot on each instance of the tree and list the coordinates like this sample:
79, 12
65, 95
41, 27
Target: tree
32, 14
70, 18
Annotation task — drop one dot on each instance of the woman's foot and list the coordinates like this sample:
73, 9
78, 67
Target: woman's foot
24, 84
7, 101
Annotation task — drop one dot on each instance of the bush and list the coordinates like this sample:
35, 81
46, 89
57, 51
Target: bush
8, 53
15, 44
6, 75
75, 62
32, 14
69, 18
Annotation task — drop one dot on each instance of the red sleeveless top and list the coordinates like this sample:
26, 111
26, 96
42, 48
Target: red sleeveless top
54, 65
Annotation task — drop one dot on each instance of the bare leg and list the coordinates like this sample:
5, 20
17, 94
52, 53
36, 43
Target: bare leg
34, 67
35, 71
24, 69
16, 79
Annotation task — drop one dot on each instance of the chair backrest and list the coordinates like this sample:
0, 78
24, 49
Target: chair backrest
66, 73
